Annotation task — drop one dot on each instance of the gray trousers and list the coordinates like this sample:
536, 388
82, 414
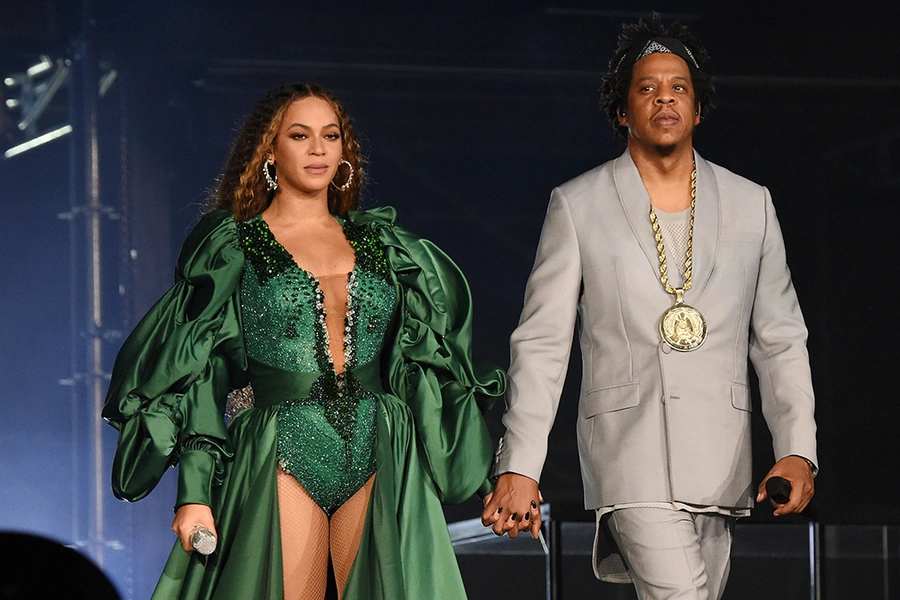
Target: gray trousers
674, 554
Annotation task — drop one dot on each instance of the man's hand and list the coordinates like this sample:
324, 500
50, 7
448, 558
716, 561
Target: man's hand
798, 472
513, 506
189, 516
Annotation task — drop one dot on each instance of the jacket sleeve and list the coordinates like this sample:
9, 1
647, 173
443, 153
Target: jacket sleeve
778, 350
171, 377
431, 367
541, 344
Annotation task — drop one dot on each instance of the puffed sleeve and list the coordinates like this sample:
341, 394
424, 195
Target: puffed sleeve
171, 377
431, 367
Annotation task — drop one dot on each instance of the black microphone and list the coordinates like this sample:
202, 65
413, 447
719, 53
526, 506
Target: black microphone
778, 489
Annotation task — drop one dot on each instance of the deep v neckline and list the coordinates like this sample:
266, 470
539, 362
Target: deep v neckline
308, 273
350, 278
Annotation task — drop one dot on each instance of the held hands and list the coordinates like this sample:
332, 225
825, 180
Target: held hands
187, 517
513, 506
798, 472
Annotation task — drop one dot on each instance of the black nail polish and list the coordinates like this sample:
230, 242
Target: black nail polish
515, 516
527, 517
499, 510
533, 504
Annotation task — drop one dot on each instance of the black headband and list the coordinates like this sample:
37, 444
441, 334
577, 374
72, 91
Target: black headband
658, 44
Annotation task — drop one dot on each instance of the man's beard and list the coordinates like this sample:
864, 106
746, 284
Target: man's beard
665, 149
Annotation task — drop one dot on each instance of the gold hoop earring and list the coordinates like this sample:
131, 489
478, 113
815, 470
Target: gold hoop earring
346, 185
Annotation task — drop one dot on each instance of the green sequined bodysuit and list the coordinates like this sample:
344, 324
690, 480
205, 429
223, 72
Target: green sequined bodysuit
326, 439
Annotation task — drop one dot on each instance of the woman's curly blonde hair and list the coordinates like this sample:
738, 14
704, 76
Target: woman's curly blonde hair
242, 187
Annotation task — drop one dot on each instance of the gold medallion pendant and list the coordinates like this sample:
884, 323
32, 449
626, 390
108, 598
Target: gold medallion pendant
683, 327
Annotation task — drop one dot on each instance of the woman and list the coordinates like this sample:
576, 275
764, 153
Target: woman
349, 339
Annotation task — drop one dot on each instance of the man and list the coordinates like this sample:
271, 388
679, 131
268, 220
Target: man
674, 271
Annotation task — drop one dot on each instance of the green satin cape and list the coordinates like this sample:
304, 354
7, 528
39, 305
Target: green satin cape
167, 397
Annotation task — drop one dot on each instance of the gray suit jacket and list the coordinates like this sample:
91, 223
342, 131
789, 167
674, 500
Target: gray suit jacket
656, 424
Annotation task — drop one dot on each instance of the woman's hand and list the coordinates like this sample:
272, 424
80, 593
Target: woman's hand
187, 518
513, 506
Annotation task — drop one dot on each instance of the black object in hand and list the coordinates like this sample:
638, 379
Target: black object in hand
778, 489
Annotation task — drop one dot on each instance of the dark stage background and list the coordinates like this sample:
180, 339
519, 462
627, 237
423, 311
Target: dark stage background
469, 115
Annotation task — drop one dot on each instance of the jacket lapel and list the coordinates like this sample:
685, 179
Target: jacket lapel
706, 228
636, 205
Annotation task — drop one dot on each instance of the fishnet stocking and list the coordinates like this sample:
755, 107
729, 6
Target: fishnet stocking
304, 541
305, 535
346, 532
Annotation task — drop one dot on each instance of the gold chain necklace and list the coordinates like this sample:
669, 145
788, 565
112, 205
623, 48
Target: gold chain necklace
682, 326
